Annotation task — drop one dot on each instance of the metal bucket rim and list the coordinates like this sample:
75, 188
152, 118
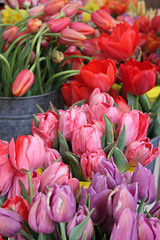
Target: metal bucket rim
30, 97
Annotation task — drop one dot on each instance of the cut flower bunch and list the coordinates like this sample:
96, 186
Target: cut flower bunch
80, 175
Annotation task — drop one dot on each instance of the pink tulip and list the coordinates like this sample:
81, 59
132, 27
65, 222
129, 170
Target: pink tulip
22, 83
10, 34
136, 124
34, 11
28, 153
57, 25
90, 47
89, 162
70, 9
142, 152
85, 139
47, 128
51, 156
70, 120
53, 6
12, 3
99, 97
15, 189
82, 28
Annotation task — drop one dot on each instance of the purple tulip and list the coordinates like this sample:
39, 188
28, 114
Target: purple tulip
38, 218
61, 204
155, 210
146, 184
79, 216
148, 228
126, 226
110, 170
10, 222
120, 198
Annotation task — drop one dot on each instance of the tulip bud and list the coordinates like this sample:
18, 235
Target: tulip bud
38, 218
10, 222
146, 184
141, 8
51, 156
10, 34
57, 25
45, 41
53, 6
22, 83
103, 20
57, 56
34, 11
12, 3
70, 36
82, 28
69, 10
61, 204
34, 25
79, 216
32, 58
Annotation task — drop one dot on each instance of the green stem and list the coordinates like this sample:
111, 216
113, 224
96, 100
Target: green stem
5, 25
30, 185
63, 230
18, 10
26, 235
7, 82
34, 41
34, 65
38, 65
85, 10
137, 101
59, 74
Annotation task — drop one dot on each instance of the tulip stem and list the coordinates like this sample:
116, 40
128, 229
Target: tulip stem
18, 10
137, 101
85, 10
38, 65
8, 73
23, 233
63, 230
30, 185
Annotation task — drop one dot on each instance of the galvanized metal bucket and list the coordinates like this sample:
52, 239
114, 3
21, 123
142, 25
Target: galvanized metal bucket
16, 114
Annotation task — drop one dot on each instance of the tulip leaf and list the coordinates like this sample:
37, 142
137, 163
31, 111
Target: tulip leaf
56, 144
109, 130
87, 202
63, 147
78, 230
40, 109
23, 191
109, 147
156, 100
53, 108
24, 53
84, 236
36, 122
145, 103
112, 151
133, 102
122, 139
32, 234
3, 199
120, 160
76, 169
78, 104
103, 141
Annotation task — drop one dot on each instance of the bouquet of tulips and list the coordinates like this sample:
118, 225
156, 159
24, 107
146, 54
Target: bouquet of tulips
80, 175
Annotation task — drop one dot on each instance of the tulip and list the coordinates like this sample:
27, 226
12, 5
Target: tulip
22, 153
90, 47
10, 34
19, 205
85, 139
103, 20
34, 11
51, 156
134, 73
72, 35
82, 28
57, 25
45, 41
136, 125
56, 173
110, 170
15, 189
22, 83
99, 74
79, 216
47, 128
12, 3
89, 162
61, 204
155, 210
99, 97
53, 6
152, 43
10, 222
38, 218
126, 226
122, 105
146, 184
70, 120
121, 43
33, 25
69, 10
57, 56
156, 24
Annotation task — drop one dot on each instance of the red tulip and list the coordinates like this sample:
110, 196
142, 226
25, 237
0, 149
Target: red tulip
57, 25
22, 83
138, 77
10, 34
99, 74
122, 42
153, 42
156, 24
52, 7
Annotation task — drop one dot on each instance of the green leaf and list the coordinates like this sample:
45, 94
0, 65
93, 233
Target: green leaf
78, 104
29, 230
109, 130
41, 236
112, 151
2, 200
74, 162
36, 121
131, 101
87, 202
145, 103
53, 108
84, 236
120, 160
63, 147
122, 139
40, 109
156, 100
56, 144
78, 230
103, 141
23, 191
24, 54
109, 147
